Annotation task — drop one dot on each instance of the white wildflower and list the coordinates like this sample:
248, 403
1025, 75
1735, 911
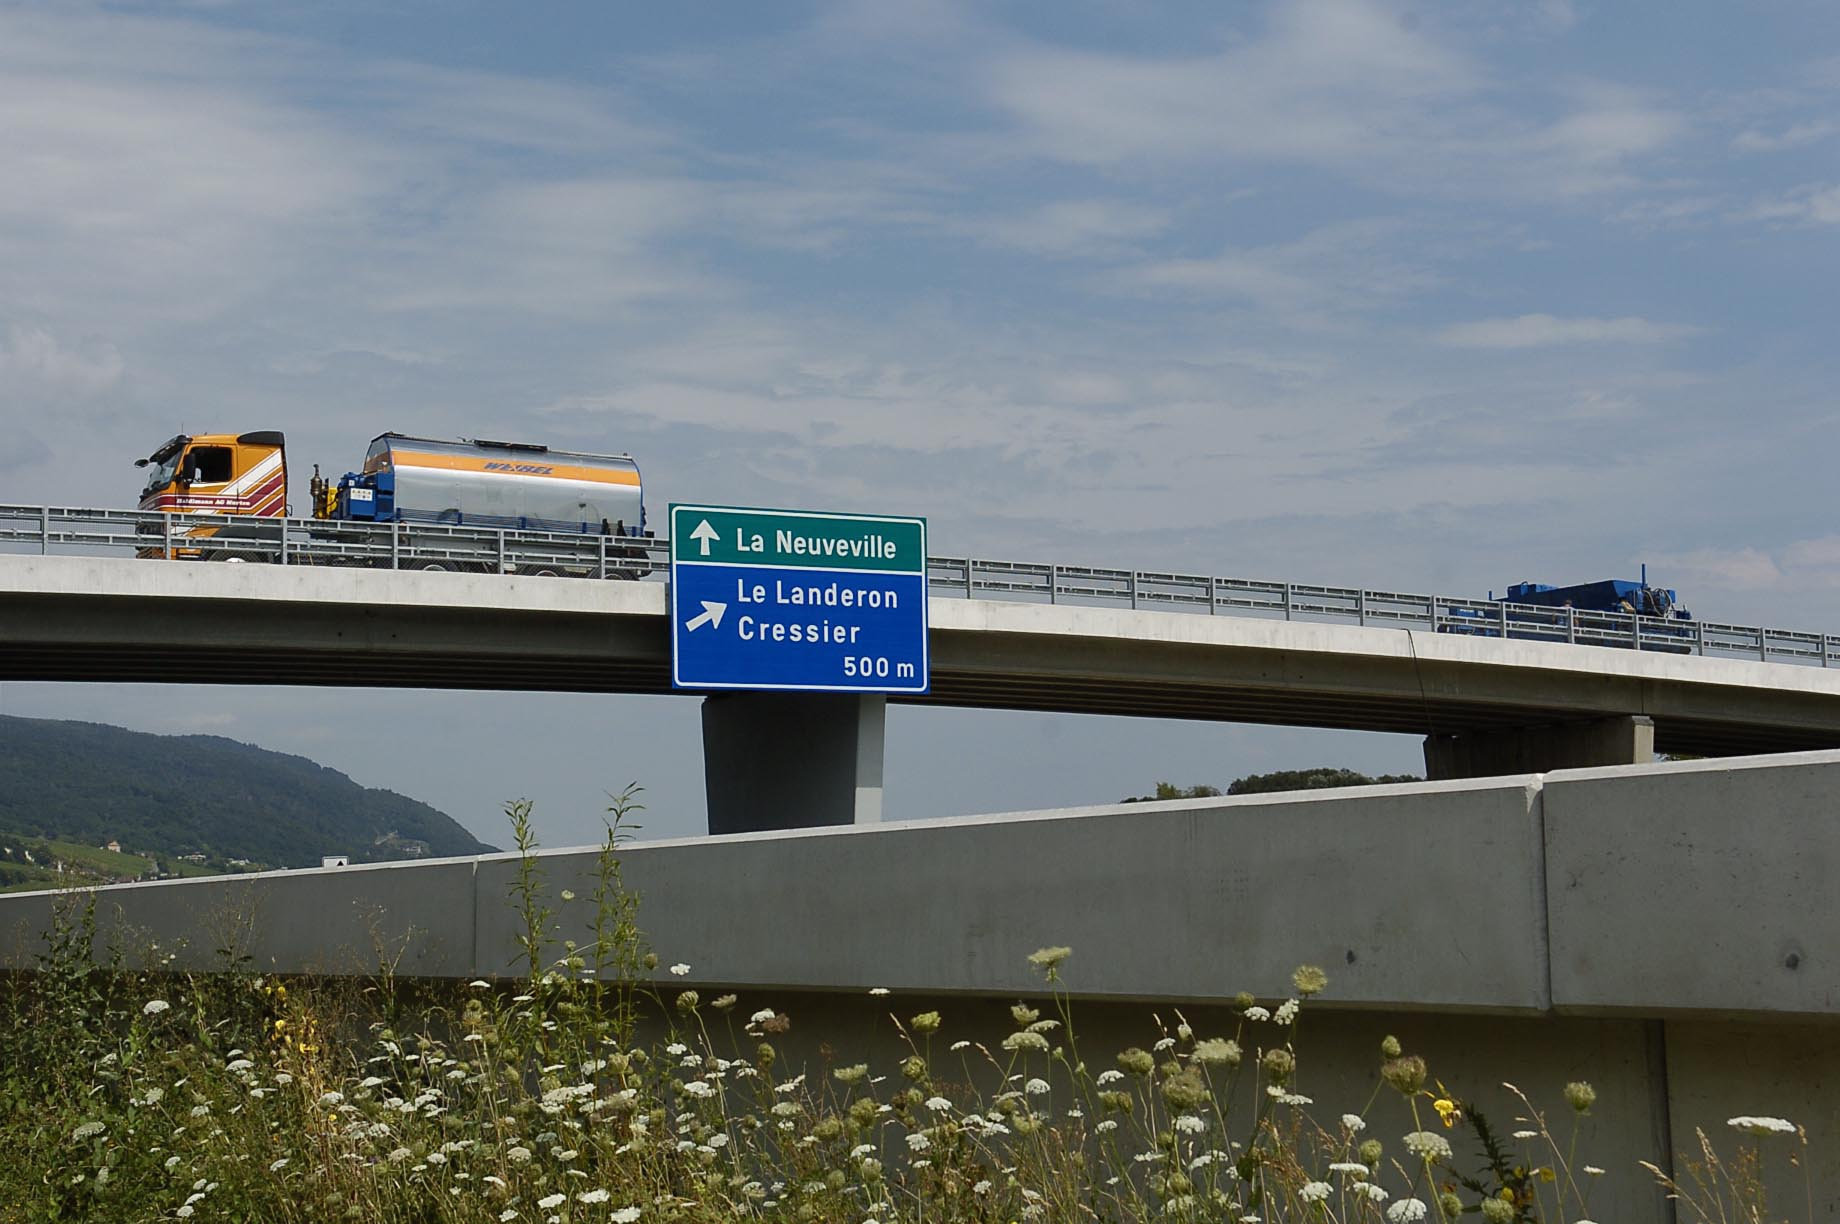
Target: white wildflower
1354, 1123
938, 1104
982, 1187
1110, 1076
918, 1142
1287, 1012
625, 1215
1526, 1134
679, 970
549, 1201
697, 1088
507, 1215
278, 1165
1257, 1013
1406, 1211
593, 1196
960, 1045
878, 990
1315, 1191
1166, 1043
1761, 1125
154, 1007
1037, 1087
1191, 1124
1594, 1171
1428, 1145
1349, 1166
1371, 1191
330, 1099
1296, 1098
398, 1155
87, 1130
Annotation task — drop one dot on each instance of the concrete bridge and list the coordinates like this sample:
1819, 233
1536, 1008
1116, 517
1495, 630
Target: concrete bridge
1486, 705
1667, 932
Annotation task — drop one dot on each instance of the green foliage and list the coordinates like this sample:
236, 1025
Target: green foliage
1270, 783
85, 783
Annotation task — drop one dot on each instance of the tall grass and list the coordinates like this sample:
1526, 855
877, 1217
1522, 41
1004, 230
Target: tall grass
585, 1090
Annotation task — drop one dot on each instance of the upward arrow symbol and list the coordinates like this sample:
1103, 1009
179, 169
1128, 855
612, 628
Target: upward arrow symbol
705, 535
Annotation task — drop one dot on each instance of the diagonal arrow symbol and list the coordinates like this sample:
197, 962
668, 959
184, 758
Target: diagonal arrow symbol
710, 615
705, 535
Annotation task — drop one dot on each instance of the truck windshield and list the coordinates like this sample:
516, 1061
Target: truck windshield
160, 472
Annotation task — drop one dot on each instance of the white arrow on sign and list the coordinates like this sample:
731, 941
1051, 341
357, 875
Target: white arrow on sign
710, 615
704, 534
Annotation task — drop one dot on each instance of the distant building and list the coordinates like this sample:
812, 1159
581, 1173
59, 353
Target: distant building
193, 858
335, 860
114, 847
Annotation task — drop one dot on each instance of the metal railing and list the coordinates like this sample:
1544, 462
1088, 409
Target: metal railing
463, 547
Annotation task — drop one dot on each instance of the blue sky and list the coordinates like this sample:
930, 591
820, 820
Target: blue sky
1411, 295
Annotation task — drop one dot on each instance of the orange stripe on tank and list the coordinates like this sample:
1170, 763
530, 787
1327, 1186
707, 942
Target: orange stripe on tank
508, 467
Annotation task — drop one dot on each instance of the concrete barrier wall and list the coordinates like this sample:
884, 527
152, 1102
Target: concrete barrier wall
1668, 932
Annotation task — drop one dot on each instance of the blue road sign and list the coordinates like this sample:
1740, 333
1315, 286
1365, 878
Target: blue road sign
797, 601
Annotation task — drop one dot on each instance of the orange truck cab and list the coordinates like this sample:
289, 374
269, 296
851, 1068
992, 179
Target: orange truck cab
218, 474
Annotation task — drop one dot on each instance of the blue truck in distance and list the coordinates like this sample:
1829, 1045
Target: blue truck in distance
1585, 612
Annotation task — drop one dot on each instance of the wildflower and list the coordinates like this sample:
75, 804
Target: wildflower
1190, 1124
87, 1130
982, 1186
762, 1016
878, 991
625, 1215
1354, 1123
925, 1022
1026, 1040
1389, 1046
677, 970
1449, 1113
550, 1201
699, 1089
1136, 1061
1287, 1012
1309, 980
688, 1000
1037, 1087
1594, 1171
1450, 1205
852, 1074
398, 1155
960, 1045
331, 1100
518, 1155
1049, 958
1405, 1211
1370, 1152
1257, 1013
1373, 1192
1109, 1076
170, 1162
723, 1002
1348, 1166
1217, 1051
593, 1196
1279, 1064
1526, 1134
1407, 1074
1315, 1192
1580, 1096
918, 1142
507, 1215
153, 1096
278, 1165
938, 1104
154, 1007
1166, 1043
1497, 1211
1428, 1145
184, 1212
1761, 1126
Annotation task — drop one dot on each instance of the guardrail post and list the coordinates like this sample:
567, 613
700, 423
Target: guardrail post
501, 550
1571, 625
1502, 614
1134, 590
166, 534
1287, 601
44, 530
968, 564
1213, 596
1054, 584
284, 539
1824, 652
1360, 607
1763, 645
1699, 637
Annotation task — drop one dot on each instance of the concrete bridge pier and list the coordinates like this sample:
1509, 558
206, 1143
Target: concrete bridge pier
792, 760
1627, 739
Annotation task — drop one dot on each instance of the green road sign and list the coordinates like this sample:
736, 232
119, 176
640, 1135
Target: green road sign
804, 540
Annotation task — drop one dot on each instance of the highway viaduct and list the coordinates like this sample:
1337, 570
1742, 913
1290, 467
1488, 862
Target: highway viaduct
1486, 705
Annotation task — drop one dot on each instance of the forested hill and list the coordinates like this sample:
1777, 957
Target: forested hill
86, 783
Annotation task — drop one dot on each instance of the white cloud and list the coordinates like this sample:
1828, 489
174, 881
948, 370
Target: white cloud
1084, 228
34, 356
1544, 330
1813, 205
1792, 137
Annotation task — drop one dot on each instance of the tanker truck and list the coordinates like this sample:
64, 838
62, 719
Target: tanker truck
404, 480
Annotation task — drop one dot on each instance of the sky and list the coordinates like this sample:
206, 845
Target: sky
1408, 295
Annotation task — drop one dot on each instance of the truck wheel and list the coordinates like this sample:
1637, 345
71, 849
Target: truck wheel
546, 571
432, 566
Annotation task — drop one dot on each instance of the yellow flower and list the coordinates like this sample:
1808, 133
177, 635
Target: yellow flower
1546, 1174
1447, 1111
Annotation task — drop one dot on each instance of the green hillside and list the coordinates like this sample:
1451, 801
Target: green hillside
72, 787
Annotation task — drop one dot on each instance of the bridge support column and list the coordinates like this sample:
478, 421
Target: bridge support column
1624, 740
792, 760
